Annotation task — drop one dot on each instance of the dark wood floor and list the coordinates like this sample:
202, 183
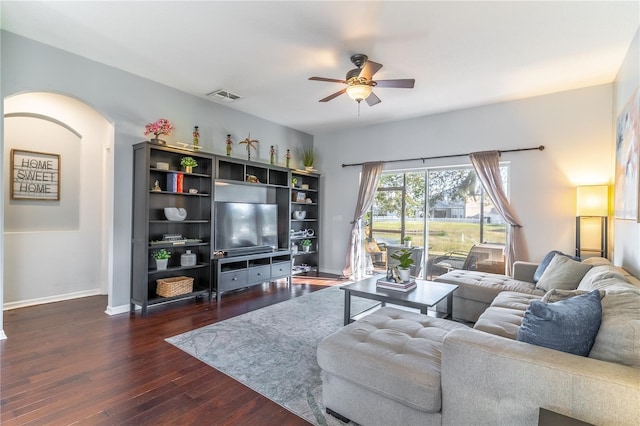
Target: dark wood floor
70, 363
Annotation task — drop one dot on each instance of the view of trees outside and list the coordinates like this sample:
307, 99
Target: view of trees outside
455, 216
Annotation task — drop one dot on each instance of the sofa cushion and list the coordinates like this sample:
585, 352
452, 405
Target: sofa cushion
570, 325
619, 337
391, 352
504, 316
484, 287
603, 276
556, 295
562, 273
546, 261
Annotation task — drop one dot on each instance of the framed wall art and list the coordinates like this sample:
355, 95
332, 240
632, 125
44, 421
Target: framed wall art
34, 175
627, 177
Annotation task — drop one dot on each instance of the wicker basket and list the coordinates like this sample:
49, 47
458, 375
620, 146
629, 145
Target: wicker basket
174, 286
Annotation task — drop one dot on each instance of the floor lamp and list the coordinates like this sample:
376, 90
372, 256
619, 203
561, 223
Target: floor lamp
592, 221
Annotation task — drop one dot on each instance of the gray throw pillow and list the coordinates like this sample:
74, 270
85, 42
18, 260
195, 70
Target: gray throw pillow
569, 325
562, 273
545, 263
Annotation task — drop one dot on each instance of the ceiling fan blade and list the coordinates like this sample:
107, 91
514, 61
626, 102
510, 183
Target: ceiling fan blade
331, 80
335, 95
401, 83
372, 99
369, 69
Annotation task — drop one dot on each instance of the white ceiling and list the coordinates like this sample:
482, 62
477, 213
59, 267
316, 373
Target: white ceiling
461, 54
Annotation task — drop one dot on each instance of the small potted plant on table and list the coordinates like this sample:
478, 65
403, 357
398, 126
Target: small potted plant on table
162, 257
407, 241
188, 163
404, 263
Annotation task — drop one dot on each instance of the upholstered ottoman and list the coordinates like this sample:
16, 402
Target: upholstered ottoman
476, 291
385, 368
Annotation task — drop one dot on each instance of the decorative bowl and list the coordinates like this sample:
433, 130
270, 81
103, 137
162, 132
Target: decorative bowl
175, 214
299, 214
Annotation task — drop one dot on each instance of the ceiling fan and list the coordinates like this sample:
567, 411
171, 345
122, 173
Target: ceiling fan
360, 83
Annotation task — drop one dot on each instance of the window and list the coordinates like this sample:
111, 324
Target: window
442, 210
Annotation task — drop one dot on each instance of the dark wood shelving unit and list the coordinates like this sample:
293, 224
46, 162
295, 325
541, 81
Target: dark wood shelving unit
225, 179
305, 199
150, 224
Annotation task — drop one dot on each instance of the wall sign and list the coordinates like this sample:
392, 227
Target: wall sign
35, 175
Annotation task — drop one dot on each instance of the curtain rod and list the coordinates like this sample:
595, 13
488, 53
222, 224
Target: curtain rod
539, 148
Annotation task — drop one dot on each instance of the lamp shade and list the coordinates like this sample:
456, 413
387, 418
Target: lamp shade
593, 200
359, 92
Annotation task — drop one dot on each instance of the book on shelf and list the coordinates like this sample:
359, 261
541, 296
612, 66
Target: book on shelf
179, 184
175, 182
392, 285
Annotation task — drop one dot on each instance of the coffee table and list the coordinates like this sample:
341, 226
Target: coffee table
426, 295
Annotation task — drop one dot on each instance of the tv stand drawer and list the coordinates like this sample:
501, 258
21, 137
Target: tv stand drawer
259, 274
232, 280
280, 270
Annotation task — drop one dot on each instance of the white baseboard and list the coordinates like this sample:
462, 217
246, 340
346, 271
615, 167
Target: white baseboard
116, 310
49, 299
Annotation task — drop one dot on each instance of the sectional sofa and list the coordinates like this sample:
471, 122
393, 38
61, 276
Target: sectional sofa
399, 367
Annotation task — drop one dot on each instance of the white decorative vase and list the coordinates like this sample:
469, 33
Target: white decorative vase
306, 249
161, 264
404, 274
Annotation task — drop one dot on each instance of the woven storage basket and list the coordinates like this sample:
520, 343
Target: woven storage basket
174, 286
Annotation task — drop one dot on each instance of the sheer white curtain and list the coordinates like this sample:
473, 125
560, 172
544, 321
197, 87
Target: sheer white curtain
368, 186
487, 167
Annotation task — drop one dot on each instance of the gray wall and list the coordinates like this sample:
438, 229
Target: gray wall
130, 102
574, 126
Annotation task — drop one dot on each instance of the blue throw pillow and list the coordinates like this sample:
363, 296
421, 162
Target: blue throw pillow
545, 262
570, 325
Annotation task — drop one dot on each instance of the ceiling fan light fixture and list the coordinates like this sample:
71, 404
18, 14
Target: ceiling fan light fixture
359, 92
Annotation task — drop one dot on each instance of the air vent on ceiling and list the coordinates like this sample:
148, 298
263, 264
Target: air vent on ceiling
223, 96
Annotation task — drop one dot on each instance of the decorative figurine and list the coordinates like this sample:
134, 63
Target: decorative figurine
229, 143
196, 138
156, 187
288, 157
250, 145
272, 153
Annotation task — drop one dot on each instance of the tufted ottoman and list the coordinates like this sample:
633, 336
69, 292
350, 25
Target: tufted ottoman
476, 291
384, 369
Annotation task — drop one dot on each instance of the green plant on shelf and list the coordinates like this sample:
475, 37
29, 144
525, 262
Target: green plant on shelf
188, 162
162, 254
308, 157
305, 243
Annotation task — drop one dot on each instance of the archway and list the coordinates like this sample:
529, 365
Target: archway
57, 249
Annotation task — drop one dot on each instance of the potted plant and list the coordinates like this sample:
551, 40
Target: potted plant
160, 127
407, 241
162, 257
306, 245
404, 263
188, 163
308, 158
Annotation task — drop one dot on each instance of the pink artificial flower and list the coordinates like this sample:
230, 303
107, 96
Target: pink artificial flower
160, 127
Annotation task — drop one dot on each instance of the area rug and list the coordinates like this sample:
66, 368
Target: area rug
273, 350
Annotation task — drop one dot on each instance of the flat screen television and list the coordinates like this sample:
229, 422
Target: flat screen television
243, 226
